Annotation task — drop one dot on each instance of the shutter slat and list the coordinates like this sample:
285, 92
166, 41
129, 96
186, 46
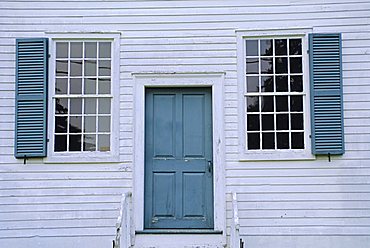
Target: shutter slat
31, 97
326, 94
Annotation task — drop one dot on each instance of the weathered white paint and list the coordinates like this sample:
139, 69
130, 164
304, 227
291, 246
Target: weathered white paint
302, 203
235, 224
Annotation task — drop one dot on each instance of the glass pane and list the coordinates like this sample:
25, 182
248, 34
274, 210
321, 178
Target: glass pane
61, 124
295, 65
75, 124
61, 68
90, 124
61, 105
90, 49
253, 141
296, 103
104, 86
297, 141
267, 103
281, 47
90, 105
296, 121
76, 49
281, 103
252, 66
76, 86
89, 142
268, 141
281, 83
268, 122
76, 106
266, 65
282, 140
252, 104
104, 49
267, 84
295, 46
252, 47
104, 67
104, 124
104, 106
281, 65
104, 142
62, 50
76, 67
90, 86
61, 86
90, 67
253, 122
282, 122
60, 143
266, 47
75, 142
296, 84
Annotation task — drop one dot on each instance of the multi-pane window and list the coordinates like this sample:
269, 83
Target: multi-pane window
274, 94
83, 97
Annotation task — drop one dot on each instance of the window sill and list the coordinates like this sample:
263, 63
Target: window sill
275, 156
81, 158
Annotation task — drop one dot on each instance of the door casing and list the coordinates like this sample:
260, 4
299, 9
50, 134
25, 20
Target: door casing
179, 79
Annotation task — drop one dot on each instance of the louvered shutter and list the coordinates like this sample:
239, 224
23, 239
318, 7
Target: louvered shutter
31, 97
326, 93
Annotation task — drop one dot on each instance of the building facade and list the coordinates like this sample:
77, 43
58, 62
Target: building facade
183, 103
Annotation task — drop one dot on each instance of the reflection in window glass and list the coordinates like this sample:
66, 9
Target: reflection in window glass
62, 50
252, 66
266, 47
252, 47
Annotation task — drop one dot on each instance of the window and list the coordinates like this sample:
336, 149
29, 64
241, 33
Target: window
274, 94
82, 100
274, 99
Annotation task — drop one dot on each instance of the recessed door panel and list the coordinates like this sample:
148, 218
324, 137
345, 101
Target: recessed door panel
164, 125
193, 125
194, 195
164, 200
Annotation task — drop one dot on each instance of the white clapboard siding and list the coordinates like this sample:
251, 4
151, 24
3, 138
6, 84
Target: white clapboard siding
311, 203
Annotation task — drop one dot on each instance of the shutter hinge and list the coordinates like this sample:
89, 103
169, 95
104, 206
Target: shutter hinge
49, 55
308, 51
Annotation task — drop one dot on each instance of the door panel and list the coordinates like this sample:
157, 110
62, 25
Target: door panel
193, 194
164, 202
164, 125
178, 152
193, 125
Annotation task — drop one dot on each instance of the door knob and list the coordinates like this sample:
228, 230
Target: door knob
210, 165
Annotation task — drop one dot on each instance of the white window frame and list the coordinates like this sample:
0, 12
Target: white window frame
263, 155
85, 157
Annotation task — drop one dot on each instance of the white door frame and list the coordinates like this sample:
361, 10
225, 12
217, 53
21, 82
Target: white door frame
214, 80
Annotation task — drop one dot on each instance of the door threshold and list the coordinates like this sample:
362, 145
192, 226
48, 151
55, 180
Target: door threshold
179, 231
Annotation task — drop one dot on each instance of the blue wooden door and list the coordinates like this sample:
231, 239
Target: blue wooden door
178, 158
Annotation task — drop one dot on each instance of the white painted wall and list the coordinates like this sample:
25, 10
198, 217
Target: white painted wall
282, 204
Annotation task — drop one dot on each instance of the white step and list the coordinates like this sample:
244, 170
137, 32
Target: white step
179, 241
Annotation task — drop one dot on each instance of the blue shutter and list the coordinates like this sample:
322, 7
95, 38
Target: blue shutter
326, 93
31, 97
